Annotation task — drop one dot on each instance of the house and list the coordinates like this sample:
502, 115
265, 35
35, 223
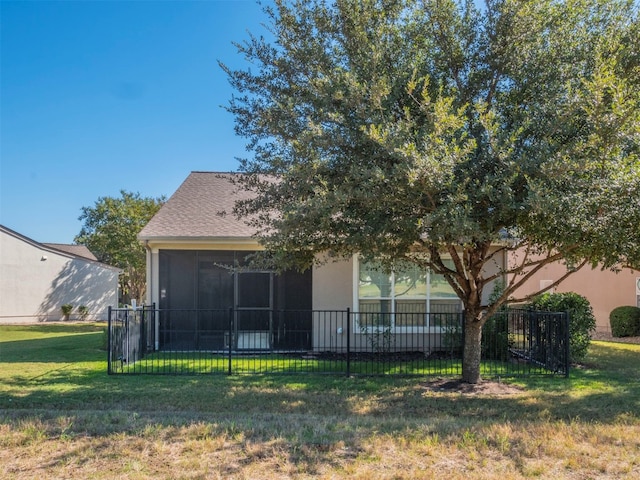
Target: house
36, 279
604, 289
197, 265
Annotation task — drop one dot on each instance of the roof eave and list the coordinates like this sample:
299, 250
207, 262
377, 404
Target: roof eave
203, 240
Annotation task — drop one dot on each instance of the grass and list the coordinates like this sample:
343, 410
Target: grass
61, 416
166, 362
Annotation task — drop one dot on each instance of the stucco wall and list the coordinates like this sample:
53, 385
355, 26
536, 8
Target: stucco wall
492, 268
333, 286
36, 282
332, 290
605, 290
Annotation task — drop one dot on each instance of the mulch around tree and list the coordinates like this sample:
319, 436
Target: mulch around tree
495, 387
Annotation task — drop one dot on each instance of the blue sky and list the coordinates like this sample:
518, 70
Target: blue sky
100, 96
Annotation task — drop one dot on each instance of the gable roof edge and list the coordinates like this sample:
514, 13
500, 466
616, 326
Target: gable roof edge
50, 249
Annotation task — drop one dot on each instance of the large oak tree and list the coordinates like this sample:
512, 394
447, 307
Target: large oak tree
416, 131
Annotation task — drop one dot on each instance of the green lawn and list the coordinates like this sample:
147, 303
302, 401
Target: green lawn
62, 416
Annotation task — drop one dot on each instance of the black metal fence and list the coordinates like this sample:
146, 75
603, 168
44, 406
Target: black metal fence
256, 341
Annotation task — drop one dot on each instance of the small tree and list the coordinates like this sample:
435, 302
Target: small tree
66, 309
83, 312
427, 131
110, 230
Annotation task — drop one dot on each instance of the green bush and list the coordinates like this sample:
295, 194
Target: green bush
83, 311
625, 321
66, 310
495, 336
581, 320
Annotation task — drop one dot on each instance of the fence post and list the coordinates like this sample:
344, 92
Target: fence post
230, 338
109, 371
156, 326
567, 339
348, 342
127, 338
143, 332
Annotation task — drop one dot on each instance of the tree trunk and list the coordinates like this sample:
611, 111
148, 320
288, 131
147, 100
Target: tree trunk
472, 351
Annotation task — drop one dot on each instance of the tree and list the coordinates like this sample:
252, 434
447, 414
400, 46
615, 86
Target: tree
409, 131
110, 231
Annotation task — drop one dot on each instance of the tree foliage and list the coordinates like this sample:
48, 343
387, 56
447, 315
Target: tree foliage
110, 230
410, 131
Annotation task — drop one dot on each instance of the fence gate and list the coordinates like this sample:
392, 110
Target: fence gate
129, 336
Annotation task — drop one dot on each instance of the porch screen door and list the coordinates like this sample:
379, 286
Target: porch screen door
254, 305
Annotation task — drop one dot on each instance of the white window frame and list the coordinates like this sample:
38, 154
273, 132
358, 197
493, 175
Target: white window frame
357, 261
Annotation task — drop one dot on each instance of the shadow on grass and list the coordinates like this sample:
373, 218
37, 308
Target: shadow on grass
313, 408
82, 346
31, 329
590, 398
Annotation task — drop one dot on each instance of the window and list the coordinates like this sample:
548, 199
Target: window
545, 284
406, 297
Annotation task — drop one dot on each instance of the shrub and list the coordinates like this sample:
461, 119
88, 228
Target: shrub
453, 338
625, 321
495, 336
581, 320
66, 310
83, 311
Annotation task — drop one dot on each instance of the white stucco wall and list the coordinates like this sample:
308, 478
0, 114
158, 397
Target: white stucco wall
35, 282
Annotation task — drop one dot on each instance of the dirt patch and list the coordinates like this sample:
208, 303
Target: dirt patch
485, 387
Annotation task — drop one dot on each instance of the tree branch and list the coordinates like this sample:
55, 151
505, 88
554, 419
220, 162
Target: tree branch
551, 286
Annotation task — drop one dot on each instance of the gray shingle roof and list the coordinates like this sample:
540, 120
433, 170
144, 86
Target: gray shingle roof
195, 210
77, 250
68, 250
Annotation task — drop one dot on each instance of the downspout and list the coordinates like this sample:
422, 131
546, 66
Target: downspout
149, 295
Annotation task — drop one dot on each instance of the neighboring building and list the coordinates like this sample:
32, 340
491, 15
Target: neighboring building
196, 252
36, 279
604, 289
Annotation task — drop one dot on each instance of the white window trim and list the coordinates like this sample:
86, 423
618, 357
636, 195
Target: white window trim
395, 329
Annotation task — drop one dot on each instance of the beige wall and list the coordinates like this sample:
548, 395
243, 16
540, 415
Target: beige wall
492, 268
605, 290
333, 286
35, 282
